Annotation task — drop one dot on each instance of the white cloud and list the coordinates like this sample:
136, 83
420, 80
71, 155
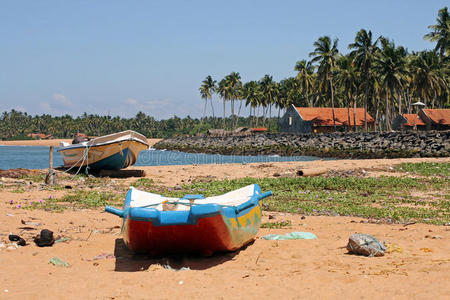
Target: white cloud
61, 99
158, 108
131, 101
45, 106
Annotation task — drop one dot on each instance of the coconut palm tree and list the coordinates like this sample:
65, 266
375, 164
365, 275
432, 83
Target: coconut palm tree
305, 77
363, 56
233, 85
224, 91
325, 54
427, 77
346, 78
207, 89
440, 33
251, 93
269, 91
390, 64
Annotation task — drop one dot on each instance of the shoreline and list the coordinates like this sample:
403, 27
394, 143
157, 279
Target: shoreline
53, 142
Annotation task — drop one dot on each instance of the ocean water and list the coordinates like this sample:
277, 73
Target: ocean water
36, 157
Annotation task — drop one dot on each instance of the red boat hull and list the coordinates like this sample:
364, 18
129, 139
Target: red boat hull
209, 235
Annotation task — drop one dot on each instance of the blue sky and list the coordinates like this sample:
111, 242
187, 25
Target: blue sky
120, 57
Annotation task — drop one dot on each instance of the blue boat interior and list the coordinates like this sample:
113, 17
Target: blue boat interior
187, 217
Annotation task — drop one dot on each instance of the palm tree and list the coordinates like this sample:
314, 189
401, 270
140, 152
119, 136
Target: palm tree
224, 91
346, 78
207, 89
326, 54
305, 77
363, 56
440, 33
251, 93
390, 65
427, 78
233, 85
269, 91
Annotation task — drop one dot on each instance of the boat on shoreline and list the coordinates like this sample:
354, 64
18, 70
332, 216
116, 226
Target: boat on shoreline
110, 152
159, 225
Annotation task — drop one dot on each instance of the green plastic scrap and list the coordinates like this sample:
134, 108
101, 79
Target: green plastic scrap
291, 236
63, 239
58, 262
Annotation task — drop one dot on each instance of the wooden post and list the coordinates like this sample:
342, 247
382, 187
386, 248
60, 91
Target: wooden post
50, 178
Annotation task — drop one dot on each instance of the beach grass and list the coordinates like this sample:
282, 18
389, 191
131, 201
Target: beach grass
425, 169
40, 177
79, 200
394, 199
277, 225
387, 198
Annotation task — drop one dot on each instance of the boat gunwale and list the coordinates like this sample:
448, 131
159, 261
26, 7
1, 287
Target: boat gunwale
195, 212
80, 146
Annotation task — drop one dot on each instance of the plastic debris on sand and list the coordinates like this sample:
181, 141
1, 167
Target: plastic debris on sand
291, 236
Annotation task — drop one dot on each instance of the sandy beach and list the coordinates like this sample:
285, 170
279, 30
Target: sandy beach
417, 265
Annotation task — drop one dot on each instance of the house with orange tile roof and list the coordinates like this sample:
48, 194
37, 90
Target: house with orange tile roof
40, 136
435, 119
320, 119
408, 122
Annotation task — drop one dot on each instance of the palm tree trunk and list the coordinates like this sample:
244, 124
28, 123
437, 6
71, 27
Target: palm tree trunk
348, 114
377, 115
239, 113
332, 102
387, 113
257, 117
212, 108
214, 118
270, 115
204, 110
232, 114
223, 121
354, 115
366, 94
264, 116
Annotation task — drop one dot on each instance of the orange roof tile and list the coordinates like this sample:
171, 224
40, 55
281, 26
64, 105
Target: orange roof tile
259, 129
438, 116
324, 116
412, 120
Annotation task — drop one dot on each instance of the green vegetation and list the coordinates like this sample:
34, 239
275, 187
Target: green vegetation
34, 178
392, 198
425, 169
79, 200
143, 183
277, 225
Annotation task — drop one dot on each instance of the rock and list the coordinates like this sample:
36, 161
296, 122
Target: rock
45, 238
365, 244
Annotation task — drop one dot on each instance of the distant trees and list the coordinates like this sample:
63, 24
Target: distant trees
377, 74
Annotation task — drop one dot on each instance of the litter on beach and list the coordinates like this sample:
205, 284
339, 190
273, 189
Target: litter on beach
290, 236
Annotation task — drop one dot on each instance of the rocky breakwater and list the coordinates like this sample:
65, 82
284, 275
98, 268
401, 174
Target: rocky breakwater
338, 145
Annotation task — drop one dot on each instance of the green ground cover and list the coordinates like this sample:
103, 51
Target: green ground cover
399, 199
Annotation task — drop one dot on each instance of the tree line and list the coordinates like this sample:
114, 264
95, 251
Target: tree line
18, 125
376, 74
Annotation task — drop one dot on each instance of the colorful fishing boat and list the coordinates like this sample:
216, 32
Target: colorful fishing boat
159, 225
111, 152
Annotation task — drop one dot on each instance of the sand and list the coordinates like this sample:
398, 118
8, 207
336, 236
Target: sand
418, 266
52, 142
